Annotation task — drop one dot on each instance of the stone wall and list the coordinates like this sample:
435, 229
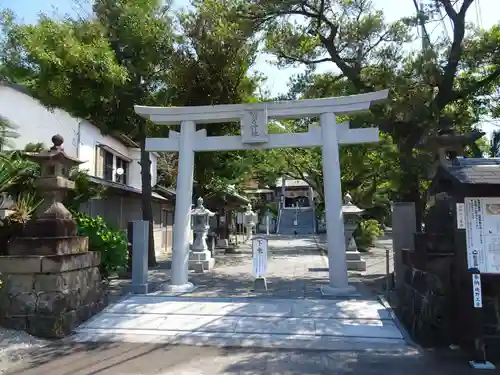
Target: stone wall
48, 296
424, 302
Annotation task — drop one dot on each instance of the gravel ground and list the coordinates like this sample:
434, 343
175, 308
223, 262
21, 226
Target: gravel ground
15, 346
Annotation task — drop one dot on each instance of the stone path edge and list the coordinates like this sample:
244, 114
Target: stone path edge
404, 332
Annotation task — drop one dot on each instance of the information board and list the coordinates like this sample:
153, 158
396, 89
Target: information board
482, 227
259, 256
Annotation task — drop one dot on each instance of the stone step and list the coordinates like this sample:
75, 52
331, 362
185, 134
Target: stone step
221, 339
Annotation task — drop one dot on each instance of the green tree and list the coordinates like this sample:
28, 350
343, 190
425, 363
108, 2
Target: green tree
215, 52
446, 85
97, 68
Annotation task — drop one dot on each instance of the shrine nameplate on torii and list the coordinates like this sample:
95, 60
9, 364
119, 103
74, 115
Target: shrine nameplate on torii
254, 118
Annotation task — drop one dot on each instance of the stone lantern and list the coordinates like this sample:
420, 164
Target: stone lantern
249, 221
352, 217
53, 222
200, 258
54, 281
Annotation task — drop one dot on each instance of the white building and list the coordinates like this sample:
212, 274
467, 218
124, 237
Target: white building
112, 161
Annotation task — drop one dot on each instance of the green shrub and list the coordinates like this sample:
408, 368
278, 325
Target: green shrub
112, 244
367, 232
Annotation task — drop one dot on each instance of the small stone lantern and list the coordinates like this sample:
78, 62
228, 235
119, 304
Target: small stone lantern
249, 221
53, 222
200, 257
352, 217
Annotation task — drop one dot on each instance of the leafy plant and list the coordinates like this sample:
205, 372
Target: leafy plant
24, 207
84, 191
12, 226
112, 244
367, 232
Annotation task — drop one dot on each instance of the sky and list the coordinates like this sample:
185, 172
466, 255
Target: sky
277, 79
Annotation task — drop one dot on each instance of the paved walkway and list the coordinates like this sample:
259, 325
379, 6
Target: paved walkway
221, 313
264, 323
297, 269
374, 278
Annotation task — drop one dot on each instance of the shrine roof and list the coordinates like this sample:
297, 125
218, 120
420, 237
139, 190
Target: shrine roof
475, 170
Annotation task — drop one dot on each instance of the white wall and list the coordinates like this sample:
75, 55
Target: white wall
35, 123
90, 138
135, 168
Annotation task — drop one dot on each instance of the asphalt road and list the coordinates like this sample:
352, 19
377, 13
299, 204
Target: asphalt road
149, 359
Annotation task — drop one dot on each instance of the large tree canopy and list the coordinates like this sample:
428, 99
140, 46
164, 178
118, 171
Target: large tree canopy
449, 83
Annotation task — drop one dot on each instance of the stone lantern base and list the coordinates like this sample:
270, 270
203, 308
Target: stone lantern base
354, 262
49, 295
200, 261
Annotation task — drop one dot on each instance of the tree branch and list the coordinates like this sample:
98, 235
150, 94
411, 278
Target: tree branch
351, 73
463, 94
446, 85
304, 61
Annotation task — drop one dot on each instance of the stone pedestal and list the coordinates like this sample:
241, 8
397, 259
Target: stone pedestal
201, 261
51, 282
48, 296
222, 243
353, 256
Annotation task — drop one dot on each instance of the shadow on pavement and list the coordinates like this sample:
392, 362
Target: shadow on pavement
148, 359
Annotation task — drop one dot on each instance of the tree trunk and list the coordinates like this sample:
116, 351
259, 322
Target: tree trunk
146, 204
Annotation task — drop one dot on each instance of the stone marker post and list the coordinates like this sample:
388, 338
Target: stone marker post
51, 282
140, 239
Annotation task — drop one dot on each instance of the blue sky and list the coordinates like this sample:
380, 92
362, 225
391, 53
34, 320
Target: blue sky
277, 79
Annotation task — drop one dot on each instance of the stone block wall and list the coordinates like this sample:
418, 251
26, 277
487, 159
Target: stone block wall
424, 302
48, 296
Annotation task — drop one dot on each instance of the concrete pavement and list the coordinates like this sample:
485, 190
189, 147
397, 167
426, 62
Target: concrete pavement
249, 322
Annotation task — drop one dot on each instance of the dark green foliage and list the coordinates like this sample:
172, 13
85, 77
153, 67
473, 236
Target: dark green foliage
366, 234
112, 244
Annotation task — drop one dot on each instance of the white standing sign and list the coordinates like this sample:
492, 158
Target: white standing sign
259, 256
476, 291
460, 216
482, 225
239, 218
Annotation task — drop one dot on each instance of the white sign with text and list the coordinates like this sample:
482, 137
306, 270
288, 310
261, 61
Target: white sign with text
460, 216
477, 294
259, 256
482, 227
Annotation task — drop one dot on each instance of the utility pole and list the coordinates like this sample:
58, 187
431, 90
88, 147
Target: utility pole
419, 7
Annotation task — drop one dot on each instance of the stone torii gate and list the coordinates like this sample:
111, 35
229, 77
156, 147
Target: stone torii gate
253, 118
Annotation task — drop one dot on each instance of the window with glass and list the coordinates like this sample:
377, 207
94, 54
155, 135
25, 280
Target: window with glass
108, 165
